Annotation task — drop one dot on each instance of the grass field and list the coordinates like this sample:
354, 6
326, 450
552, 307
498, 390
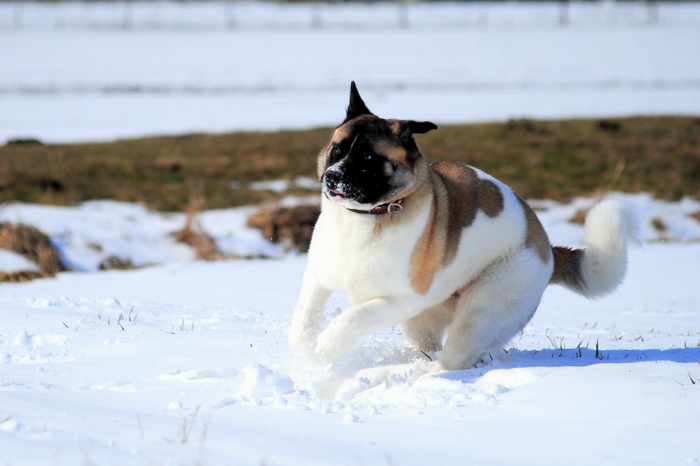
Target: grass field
539, 159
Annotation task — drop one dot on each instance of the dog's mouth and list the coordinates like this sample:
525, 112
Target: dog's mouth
335, 195
336, 189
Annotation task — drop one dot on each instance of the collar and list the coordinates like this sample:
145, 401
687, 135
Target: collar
390, 208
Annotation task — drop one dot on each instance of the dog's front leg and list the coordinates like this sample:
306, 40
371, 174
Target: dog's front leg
367, 317
307, 314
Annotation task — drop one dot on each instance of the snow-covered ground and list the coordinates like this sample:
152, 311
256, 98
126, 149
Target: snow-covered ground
70, 72
184, 362
187, 362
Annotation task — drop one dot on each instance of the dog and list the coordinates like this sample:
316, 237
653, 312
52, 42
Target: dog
439, 248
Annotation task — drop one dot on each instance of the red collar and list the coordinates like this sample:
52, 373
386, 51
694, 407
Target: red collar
390, 208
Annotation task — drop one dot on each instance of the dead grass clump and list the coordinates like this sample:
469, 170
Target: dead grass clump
193, 234
290, 225
525, 125
659, 225
25, 142
611, 126
695, 215
35, 246
21, 276
580, 216
202, 243
116, 263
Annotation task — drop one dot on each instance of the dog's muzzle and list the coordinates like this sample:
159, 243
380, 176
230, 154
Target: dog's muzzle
335, 185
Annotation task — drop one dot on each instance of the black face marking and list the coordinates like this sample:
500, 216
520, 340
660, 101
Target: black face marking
334, 154
370, 160
357, 106
357, 171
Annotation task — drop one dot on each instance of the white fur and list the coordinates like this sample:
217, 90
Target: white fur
372, 267
501, 280
609, 227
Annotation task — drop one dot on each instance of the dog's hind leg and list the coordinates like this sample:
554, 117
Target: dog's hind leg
424, 332
494, 308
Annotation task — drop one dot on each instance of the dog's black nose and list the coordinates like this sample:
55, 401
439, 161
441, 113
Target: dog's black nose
332, 177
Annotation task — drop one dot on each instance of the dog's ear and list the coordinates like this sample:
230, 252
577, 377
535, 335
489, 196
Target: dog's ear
357, 106
410, 127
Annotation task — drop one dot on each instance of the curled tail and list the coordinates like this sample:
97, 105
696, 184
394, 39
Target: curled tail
600, 268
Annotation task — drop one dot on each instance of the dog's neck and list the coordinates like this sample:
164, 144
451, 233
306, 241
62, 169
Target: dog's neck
389, 208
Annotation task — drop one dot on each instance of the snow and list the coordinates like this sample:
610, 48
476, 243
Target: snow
184, 362
92, 232
278, 186
12, 262
187, 362
179, 68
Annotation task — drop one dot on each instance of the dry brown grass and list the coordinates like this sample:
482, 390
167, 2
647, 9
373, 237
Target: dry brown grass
116, 263
291, 226
659, 225
539, 159
32, 244
193, 234
580, 216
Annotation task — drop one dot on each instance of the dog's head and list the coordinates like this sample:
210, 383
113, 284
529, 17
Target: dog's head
370, 161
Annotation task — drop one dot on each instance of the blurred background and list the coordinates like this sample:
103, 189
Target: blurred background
97, 71
156, 135
202, 107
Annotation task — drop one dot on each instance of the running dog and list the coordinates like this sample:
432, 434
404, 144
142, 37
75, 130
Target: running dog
440, 249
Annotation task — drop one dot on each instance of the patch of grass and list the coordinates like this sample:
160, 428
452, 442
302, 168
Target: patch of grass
539, 159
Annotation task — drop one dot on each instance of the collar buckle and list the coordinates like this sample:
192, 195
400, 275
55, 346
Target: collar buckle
390, 208
395, 206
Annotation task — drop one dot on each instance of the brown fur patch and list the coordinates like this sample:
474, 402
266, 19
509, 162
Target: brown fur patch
567, 267
535, 238
394, 153
466, 194
321, 160
395, 127
490, 198
427, 256
341, 133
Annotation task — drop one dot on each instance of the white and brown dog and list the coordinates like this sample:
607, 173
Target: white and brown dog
439, 248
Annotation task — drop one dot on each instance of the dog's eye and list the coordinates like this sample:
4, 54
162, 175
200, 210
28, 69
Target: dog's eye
334, 154
367, 156
394, 166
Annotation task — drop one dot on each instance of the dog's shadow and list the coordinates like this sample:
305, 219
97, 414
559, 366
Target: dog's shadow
575, 357
365, 367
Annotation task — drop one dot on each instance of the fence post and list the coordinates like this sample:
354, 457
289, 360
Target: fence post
127, 15
483, 15
564, 19
403, 13
316, 14
653, 9
17, 15
230, 15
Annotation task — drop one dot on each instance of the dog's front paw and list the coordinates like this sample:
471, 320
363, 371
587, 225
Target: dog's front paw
302, 338
300, 343
438, 367
333, 341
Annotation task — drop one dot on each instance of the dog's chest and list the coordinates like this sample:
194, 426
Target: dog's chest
351, 254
